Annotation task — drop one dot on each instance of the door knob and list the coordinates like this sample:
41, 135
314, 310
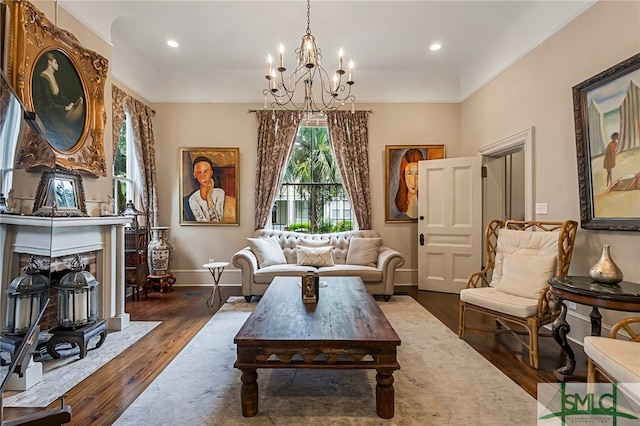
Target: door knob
421, 217
421, 239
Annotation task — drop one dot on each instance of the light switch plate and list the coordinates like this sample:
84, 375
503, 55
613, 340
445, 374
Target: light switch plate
541, 208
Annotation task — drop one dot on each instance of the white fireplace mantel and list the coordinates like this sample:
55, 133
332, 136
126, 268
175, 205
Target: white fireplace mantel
64, 236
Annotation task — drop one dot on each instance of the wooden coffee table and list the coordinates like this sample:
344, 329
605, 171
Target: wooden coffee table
338, 332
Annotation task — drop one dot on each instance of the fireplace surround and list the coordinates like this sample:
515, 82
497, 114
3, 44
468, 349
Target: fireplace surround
58, 237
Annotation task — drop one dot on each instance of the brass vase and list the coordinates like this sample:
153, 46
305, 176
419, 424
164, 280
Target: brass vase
605, 270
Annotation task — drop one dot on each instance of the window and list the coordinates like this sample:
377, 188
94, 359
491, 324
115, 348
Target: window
311, 197
126, 176
9, 130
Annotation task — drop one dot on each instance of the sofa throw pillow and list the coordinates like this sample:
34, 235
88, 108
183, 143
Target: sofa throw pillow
315, 256
314, 243
267, 251
526, 276
363, 251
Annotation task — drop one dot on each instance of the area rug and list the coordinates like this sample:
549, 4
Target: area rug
60, 375
442, 381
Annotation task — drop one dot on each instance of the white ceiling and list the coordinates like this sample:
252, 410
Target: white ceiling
224, 44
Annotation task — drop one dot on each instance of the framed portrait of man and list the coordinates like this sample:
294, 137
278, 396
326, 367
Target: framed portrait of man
209, 184
401, 179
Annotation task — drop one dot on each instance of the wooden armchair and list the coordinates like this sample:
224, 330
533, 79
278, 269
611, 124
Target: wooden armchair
521, 257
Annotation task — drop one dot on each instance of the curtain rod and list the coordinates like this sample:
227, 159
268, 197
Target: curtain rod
367, 110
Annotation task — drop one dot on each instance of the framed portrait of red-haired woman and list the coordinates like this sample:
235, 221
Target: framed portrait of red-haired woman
401, 179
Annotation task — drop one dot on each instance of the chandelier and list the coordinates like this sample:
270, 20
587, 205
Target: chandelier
321, 92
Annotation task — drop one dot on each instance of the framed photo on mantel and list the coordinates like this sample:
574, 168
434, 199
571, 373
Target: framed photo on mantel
60, 193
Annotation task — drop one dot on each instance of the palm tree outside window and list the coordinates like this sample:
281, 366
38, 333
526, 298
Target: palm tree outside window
311, 198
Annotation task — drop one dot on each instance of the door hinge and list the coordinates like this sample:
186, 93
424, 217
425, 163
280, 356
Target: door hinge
484, 171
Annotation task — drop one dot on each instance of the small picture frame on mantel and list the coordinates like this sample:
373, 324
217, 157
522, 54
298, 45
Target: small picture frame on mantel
60, 194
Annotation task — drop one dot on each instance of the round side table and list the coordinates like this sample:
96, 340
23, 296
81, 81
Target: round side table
216, 269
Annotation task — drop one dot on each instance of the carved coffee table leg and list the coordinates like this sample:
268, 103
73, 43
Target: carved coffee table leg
249, 392
385, 394
561, 328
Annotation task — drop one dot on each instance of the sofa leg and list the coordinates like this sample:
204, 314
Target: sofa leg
247, 298
387, 297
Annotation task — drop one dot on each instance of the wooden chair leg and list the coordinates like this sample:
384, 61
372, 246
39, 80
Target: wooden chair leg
533, 345
461, 320
591, 371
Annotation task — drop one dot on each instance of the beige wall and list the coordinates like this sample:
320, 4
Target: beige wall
536, 92
231, 125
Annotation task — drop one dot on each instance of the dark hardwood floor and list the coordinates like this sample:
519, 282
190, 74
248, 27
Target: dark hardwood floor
105, 395
504, 351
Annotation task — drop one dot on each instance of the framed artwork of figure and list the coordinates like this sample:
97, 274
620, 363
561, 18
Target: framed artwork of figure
209, 184
62, 82
607, 122
401, 179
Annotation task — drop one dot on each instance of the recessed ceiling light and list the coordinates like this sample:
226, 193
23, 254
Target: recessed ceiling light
172, 43
435, 46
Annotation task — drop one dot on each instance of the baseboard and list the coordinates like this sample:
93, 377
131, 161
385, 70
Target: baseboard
403, 288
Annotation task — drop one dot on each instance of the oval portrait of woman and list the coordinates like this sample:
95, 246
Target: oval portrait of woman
58, 99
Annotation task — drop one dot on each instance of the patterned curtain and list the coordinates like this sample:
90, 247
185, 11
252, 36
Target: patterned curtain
140, 115
276, 134
350, 142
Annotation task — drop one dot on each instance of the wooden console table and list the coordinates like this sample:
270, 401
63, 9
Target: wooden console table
624, 296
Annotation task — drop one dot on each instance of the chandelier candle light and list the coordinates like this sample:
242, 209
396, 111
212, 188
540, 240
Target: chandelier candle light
333, 93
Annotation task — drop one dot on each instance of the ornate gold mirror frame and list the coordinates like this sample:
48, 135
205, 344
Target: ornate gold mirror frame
47, 64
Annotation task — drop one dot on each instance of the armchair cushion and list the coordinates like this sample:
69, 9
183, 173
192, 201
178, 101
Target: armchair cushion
525, 276
315, 256
363, 251
522, 243
267, 251
619, 358
491, 298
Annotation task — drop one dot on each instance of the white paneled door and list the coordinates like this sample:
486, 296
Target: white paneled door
449, 222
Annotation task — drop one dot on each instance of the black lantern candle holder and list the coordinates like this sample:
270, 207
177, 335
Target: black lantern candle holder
77, 296
27, 295
130, 210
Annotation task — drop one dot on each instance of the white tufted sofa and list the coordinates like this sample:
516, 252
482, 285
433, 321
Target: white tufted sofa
379, 280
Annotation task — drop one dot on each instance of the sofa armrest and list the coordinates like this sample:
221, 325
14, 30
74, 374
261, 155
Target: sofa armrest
388, 260
246, 261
